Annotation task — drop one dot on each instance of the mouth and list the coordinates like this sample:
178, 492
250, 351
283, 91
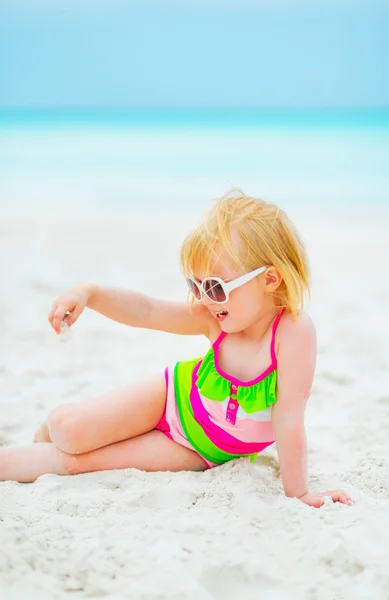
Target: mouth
221, 315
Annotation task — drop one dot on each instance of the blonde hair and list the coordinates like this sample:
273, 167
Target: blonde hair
253, 233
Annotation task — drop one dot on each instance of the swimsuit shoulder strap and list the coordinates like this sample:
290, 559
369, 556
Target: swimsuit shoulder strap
273, 337
219, 340
277, 320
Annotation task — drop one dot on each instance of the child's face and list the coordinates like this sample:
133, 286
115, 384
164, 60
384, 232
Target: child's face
246, 304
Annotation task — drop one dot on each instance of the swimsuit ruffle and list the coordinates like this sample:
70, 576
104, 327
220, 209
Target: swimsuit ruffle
252, 398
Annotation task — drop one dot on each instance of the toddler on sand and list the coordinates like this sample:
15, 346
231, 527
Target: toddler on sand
247, 272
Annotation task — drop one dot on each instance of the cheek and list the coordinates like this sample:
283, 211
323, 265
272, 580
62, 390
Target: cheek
248, 299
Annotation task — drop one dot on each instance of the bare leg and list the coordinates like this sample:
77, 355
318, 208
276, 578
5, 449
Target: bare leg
113, 431
80, 427
151, 451
26, 463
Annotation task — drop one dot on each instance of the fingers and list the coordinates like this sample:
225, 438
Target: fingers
317, 500
57, 315
339, 496
344, 498
72, 318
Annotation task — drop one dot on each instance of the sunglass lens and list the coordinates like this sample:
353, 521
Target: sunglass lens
214, 290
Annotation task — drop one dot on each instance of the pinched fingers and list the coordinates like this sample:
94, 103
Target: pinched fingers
69, 307
57, 315
75, 313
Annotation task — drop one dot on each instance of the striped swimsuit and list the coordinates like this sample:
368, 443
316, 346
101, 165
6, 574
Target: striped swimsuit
215, 414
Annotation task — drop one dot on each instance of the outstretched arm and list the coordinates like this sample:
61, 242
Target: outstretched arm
130, 308
139, 310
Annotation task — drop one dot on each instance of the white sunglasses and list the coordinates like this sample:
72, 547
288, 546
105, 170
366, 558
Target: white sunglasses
217, 290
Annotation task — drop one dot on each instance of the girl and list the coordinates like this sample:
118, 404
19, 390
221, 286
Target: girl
247, 272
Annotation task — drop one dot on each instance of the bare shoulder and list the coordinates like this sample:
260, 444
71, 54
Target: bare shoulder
295, 333
303, 324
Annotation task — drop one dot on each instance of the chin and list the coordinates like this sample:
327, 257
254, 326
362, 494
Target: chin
229, 327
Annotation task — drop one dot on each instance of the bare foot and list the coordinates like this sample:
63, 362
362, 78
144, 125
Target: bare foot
42, 434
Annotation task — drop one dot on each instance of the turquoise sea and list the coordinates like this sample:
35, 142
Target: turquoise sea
172, 158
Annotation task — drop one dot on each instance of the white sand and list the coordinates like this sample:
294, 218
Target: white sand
228, 533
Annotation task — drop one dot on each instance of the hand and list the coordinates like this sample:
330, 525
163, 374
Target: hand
317, 501
69, 306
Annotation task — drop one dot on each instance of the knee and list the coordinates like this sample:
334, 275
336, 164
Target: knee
63, 428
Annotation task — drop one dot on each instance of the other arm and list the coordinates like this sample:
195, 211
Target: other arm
296, 367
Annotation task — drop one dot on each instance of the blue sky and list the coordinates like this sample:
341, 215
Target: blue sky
194, 53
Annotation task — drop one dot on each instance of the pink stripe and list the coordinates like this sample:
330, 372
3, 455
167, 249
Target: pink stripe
218, 436
245, 429
163, 426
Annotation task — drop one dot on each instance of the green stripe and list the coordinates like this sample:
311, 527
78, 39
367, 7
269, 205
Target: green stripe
183, 372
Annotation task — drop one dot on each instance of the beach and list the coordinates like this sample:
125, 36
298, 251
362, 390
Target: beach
120, 123
227, 533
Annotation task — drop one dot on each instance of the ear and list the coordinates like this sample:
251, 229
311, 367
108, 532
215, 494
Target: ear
273, 279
